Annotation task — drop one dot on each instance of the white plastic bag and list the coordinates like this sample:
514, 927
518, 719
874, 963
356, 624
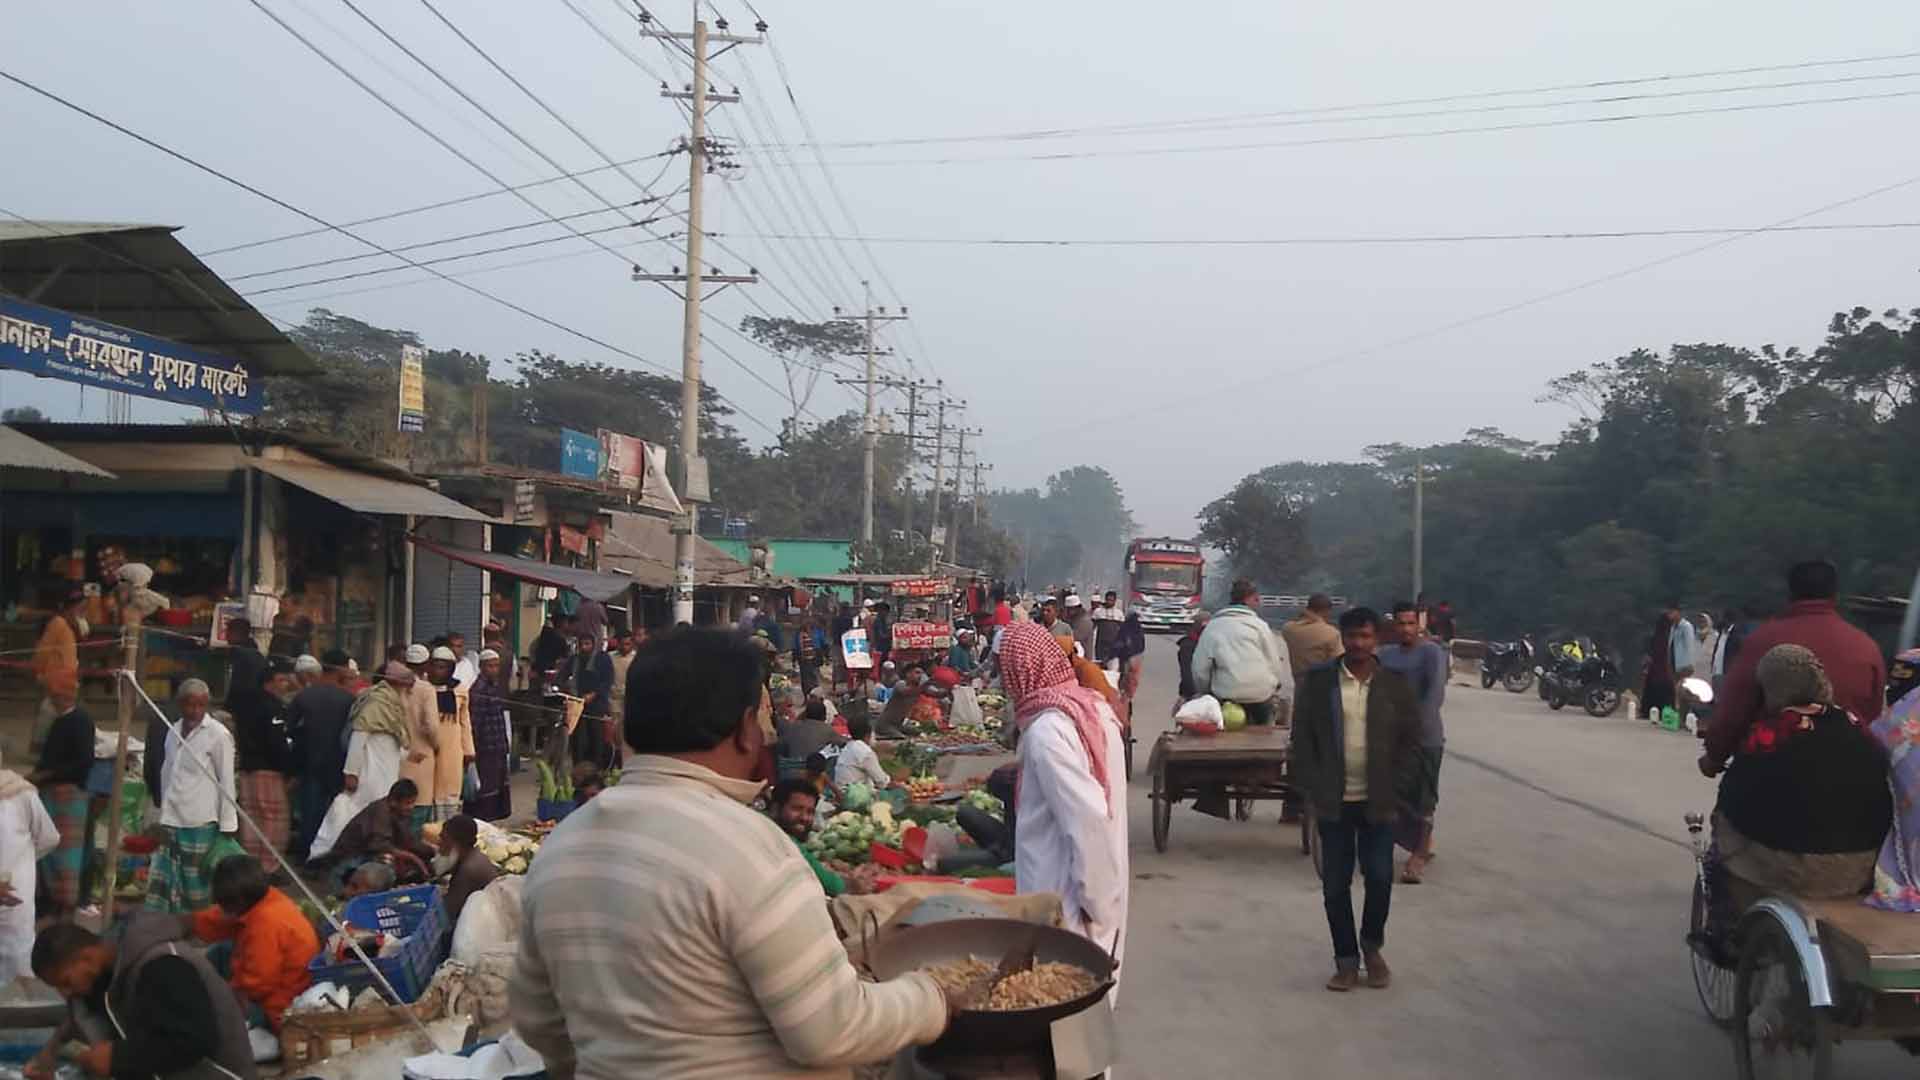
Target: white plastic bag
966, 707
490, 918
1200, 715
339, 813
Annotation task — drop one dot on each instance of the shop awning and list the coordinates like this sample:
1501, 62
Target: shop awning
18, 451
643, 546
367, 493
588, 583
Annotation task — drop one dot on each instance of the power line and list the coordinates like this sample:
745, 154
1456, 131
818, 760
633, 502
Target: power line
1332, 140
186, 159
477, 235
1504, 309
444, 203
1287, 241
522, 246
1235, 120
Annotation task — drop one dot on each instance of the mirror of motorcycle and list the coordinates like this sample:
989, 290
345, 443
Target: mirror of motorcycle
1700, 689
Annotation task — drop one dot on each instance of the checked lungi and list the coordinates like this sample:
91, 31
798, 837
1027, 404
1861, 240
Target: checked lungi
61, 868
262, 795
177, 877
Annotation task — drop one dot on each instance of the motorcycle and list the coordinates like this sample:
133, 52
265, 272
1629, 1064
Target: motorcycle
1509, 663
1592, 679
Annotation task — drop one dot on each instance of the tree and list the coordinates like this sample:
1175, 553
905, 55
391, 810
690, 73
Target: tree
1261, 525
805, 350
23, 414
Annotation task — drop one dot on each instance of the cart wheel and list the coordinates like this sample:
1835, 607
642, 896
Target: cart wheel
1714, 983
1777, 1032
1162, 812
1243, 809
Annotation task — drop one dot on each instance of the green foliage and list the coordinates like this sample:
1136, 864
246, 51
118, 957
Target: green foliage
1076, 531
1698, 473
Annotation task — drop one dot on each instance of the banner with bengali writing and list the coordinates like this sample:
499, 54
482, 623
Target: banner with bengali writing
54, 344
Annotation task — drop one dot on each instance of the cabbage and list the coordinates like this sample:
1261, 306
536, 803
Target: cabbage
1233, 715
859, 796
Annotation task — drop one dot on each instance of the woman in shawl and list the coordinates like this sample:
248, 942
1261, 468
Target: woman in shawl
381, 735
1896, 876
1071, 800
1804, 807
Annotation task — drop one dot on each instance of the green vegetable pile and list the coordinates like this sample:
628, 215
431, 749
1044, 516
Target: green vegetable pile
553, 788
981, 799
848, 836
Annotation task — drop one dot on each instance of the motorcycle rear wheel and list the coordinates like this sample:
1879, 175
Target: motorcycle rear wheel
1602, 701
1517, 682
1556, 699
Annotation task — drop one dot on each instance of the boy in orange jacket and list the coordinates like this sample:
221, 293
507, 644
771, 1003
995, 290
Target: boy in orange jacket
273, 941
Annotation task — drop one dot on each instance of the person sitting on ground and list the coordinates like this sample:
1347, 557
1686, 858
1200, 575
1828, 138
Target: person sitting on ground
901, 703
792, 806
143, 1005
370, 877
807, 736
272, 941
471, 871
589, 788
383, 831
1805, 805
857, 762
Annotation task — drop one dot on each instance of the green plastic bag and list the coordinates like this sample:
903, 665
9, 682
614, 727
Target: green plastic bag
224, 847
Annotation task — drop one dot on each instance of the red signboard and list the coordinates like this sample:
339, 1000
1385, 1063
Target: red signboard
922, 635
920, 587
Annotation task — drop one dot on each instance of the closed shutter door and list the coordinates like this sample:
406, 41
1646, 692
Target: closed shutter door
448, 595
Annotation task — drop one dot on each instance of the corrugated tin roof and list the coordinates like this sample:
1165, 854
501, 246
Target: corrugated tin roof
588, 583
643, 546
21, 451
143, 278
369, 494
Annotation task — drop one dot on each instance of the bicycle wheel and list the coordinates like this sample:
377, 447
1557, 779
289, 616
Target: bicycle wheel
1713, 982
1778, 1032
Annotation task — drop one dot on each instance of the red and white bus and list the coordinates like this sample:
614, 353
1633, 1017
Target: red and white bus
1164, 578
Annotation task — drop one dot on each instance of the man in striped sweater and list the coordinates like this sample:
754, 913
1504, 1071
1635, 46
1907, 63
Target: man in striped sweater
672, 931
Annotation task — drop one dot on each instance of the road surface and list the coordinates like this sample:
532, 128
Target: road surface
1546, 942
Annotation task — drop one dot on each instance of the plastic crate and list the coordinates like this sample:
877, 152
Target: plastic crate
415, 913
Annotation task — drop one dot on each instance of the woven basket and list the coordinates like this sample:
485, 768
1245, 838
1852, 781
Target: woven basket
309, 1037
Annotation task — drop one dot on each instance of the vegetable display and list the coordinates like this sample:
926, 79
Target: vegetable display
510, 853
553, 787
848, 837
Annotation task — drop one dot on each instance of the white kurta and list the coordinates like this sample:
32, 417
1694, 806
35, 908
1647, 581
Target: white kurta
374, 759
26, 833
1070, 837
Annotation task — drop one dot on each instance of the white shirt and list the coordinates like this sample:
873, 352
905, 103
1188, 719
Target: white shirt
196, 781
1103, 613
26, 833
1072, 836
1354, 692
857, 762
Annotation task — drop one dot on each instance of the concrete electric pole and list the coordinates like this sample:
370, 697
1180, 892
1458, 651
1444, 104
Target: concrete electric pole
693, 475
871, 317
913, 414
959, 486
1419, 525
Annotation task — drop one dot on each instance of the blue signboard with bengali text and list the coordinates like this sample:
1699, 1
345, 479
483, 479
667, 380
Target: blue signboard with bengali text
580, 454
74, 348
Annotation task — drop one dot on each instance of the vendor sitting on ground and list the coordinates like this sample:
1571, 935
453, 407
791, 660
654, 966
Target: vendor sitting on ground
1804, 806
370, 877
792, 807
272, 940
143, 1005
857, 762
902, 703
472, 870
383, 831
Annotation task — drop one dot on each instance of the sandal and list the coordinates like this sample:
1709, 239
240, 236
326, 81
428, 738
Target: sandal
1412, 875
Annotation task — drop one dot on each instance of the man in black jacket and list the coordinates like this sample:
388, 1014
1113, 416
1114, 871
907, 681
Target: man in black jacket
1184, 651
1356, 726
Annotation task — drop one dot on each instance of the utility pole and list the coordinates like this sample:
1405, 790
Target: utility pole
1419, 524
978, 488
872, 436
913, 415
940, 452
693, 477
959, 473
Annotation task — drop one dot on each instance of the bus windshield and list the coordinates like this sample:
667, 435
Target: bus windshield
1167, 577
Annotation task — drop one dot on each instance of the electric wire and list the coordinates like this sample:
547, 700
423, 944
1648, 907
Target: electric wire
439, 260
188, 160
1287, 241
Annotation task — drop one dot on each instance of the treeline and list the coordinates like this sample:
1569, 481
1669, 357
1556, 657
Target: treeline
1695, 474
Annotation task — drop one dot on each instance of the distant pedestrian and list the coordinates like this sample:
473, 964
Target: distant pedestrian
1183, 653
1107, 617
1311, 637
492, 742
318, 718
66, 756
592, 676
56, 661
1129, 649
197, 805
1423, 662
1085, 634
1357, 729
264, 761
1657, 689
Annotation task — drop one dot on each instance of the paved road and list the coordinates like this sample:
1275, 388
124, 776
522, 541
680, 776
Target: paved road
1545, 943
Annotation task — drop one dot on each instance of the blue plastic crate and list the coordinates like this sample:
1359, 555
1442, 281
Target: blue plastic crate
415, 913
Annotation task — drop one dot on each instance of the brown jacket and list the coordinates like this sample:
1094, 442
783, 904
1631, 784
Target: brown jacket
1311, 641
1319, 747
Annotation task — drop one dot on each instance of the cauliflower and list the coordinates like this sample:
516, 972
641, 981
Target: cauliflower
515, 865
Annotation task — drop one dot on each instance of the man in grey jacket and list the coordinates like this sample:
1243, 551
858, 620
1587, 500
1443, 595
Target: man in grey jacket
1240, 659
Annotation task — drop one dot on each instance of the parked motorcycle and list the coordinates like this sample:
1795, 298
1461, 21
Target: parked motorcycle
1509, 663
1593, 680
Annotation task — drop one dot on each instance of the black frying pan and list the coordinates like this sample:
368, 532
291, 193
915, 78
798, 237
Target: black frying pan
989, 939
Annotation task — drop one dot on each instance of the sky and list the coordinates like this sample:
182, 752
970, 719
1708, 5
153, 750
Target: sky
1179, 367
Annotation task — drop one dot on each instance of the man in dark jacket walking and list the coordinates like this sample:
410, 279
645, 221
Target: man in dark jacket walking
1355, 729
1184, 651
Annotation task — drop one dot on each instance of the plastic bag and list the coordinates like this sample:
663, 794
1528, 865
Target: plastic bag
490, 918
470, 783
966, 707
339, 813
224, 847
1200, 715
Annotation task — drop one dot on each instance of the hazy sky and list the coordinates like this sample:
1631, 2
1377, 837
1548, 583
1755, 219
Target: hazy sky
1180, 368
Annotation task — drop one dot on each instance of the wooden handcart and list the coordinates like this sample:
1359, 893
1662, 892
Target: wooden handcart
1249, 765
